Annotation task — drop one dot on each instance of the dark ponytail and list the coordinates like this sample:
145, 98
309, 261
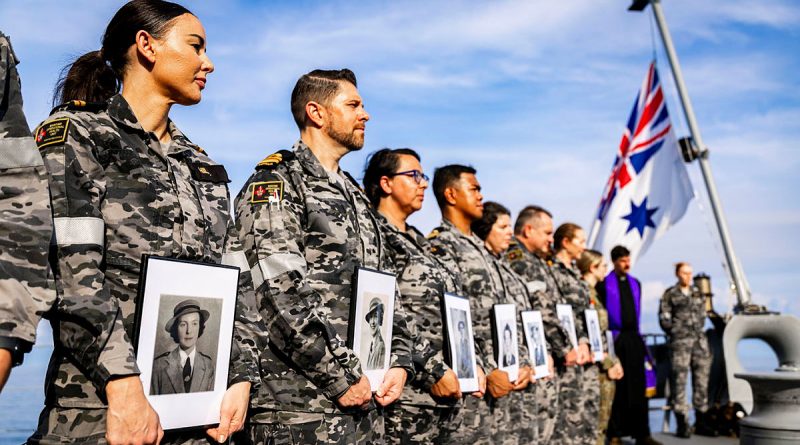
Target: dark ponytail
97, 75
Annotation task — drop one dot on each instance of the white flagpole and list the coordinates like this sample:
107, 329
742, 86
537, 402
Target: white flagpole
734, 267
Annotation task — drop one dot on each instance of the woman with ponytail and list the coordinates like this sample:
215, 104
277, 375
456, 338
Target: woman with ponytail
125, 182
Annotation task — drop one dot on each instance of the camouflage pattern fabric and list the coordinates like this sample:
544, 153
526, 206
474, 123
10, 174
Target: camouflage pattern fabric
305, 232
412, 424
522, 405
422, 280
590, 397
365, 428
607, 386
482, 284
544, 295
25, 220
683, 318
572, 427
117, 193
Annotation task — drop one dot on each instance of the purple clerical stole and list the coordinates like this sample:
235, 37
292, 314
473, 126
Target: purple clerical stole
614, 305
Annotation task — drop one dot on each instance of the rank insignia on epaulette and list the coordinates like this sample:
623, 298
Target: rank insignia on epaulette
268, 191
269, 161
434, 233
52, 132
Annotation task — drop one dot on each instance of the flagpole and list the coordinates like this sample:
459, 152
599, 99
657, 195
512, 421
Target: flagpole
734, 268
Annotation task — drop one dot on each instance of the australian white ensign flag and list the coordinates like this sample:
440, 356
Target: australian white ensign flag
649, 189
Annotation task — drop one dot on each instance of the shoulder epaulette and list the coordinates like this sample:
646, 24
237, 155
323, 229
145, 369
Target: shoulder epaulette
81, 105
434, 233
163, 354
275, 158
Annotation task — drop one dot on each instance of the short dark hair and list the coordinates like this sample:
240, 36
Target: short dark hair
317, 86
173, 332
526, 215
678, 266
445, 176
491, 211
563, 232
383, 162
619, 252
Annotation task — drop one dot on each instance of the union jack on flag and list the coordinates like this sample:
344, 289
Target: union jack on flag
648, 189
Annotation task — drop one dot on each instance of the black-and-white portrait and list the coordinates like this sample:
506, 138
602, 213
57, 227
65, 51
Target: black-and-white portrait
533, 327
567, 319
595, 338
535, 335
186, 347
508, 355
463, 357
373, 344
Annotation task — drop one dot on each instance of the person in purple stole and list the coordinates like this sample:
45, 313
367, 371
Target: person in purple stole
621, 293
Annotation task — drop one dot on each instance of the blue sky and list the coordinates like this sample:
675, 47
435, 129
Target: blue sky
533, 94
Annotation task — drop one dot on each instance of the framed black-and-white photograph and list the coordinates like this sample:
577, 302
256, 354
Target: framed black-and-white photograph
504, 334
595, 336
460, 342
183, 332
371, 317
535, 339
567, 319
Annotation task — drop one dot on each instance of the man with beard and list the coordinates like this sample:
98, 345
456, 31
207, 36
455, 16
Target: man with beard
528, 256
307, 227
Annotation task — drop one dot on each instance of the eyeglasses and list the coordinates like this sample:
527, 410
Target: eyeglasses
416, 174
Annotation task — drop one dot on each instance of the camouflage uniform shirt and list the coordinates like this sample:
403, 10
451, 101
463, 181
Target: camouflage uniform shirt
117, 193
544, 294
574, 292
305, 232
25, 221
422, 281
680, 315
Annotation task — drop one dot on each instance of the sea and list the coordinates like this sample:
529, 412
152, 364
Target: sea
23, 396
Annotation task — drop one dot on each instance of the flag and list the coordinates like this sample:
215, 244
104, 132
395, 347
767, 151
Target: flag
649, 189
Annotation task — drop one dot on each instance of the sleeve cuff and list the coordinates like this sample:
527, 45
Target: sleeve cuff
17, 347
337, 388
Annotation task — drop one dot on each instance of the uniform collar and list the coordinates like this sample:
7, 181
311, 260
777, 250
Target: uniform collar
310, 162
120, 111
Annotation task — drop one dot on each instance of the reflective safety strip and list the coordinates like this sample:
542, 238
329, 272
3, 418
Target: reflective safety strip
18, 153
280, 263
236, 259
85, 230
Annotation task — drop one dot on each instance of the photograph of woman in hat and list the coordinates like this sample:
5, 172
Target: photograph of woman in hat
184, 369
376, 351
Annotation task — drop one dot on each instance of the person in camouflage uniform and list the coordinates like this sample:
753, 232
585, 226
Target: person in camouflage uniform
682, 315
593, 270
125, 182
580, 387
494, 228
307, 227
458, 194
527, 255
25, 223
427, 412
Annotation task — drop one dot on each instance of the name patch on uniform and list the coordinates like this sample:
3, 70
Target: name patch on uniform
514, 255
53, 132
268, 191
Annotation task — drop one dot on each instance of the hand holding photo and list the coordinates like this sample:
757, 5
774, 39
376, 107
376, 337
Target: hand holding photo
182, 337
459, 342
371, 317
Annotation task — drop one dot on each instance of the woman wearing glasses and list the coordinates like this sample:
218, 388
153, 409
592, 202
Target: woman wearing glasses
395, 185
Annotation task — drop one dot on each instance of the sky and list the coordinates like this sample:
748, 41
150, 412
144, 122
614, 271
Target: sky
534, 94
